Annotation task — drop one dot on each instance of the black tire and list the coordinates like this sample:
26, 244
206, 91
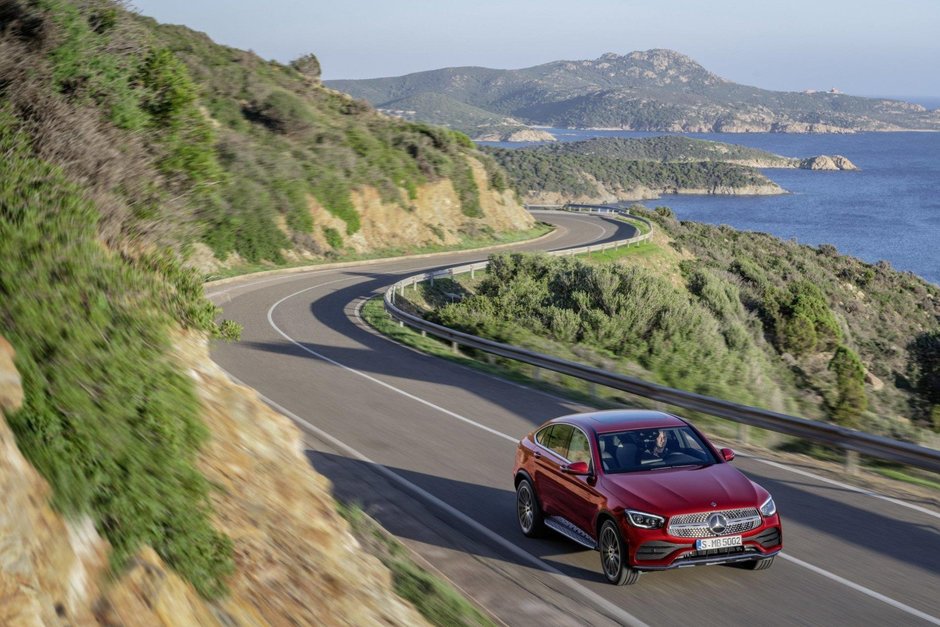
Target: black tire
614, 555
761, 564
528, 510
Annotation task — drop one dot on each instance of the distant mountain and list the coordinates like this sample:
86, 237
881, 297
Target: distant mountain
654, 90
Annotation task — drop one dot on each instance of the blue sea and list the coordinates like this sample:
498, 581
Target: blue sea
890, 210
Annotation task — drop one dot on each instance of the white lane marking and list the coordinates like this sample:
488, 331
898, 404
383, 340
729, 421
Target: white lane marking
866, 591
846, 486
295, 275
612, 610
369, 377
474, 524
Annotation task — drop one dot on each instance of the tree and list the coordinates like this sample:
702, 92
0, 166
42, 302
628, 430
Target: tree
850, 387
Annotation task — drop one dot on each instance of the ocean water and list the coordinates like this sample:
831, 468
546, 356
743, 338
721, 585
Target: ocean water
890, 210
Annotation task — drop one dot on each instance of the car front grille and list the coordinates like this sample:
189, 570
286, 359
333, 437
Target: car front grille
696, 525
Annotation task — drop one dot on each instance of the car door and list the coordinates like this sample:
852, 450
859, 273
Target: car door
581, 498
551, 446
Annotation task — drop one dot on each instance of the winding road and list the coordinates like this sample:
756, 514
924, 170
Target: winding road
426, 447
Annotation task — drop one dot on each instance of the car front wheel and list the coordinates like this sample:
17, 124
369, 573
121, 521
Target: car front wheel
528, 512
614, 556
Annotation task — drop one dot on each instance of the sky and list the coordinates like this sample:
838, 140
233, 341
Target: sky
887, 48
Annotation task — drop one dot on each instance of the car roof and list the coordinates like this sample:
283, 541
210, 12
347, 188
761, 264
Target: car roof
621, 420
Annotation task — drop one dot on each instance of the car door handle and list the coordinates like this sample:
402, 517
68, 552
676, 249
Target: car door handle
538, 455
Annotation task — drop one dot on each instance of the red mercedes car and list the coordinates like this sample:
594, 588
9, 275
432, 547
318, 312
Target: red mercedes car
647, 490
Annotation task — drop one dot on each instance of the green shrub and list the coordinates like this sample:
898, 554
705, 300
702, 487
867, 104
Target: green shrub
801, 319
109, 420
615, 311
284, 112
333, 194
333, 237
170, 93
850, 401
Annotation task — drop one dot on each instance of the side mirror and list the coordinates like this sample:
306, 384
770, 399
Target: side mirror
576, 468
727, 454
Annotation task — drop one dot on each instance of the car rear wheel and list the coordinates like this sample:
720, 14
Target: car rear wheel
528, 512
614, 556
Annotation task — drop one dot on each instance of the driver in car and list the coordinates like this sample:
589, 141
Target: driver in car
657, 447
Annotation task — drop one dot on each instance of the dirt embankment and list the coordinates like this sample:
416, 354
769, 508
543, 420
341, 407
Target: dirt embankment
297, 562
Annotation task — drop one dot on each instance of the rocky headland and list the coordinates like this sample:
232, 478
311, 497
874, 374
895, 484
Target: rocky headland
826, 162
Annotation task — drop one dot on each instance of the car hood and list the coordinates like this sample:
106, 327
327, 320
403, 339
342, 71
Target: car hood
680, 490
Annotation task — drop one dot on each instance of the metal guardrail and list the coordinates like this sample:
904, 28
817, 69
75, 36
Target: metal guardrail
853, 442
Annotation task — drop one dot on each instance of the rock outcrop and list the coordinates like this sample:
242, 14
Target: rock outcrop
296, 561
433, 217
825, 162
309, 66
50, 568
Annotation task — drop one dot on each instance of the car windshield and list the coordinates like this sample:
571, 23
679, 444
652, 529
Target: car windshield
652, 449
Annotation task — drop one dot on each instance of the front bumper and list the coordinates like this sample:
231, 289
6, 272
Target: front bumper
664, 552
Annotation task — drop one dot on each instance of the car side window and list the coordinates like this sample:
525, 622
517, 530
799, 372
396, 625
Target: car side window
692, 445
578, 448
558, 440
543, 436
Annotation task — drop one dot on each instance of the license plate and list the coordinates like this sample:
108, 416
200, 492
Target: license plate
717, 543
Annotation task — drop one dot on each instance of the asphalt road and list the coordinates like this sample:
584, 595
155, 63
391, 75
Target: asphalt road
427, 446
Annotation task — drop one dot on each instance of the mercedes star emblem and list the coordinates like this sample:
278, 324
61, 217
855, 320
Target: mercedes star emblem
717, 523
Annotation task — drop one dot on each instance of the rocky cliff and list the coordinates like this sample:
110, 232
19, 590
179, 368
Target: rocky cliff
296, 561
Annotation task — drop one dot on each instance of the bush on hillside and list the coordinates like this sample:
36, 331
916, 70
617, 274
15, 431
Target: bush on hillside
109, 420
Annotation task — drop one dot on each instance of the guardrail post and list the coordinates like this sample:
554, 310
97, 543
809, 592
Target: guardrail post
536, 373
424, 333
473, 273
454, 348
592, 389
393, 296
432, 280
851, 463
743, 433
401, 323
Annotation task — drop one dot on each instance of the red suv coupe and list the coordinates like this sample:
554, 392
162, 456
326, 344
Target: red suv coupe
647, 490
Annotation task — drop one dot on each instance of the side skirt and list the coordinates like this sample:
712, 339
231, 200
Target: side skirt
571, 531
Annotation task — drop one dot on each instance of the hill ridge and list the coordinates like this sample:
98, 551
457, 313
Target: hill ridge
644, 90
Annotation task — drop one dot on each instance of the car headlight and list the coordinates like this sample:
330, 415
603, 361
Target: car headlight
644, 520
769, 508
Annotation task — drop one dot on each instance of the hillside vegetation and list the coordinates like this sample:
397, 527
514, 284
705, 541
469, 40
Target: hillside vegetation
181, 140
129, 149
754, 319
652, 90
